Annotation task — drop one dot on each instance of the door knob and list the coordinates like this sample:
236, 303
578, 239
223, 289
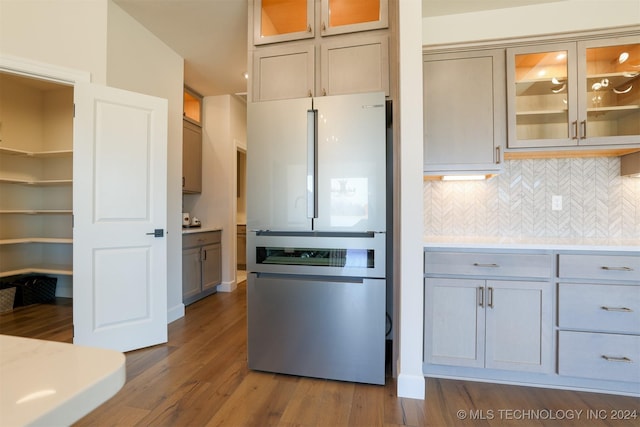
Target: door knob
158, 232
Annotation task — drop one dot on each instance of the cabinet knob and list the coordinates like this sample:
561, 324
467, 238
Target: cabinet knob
308, 28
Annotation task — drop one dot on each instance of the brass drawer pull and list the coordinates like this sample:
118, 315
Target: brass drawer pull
622, 309
616, 359
617, 268
477, 264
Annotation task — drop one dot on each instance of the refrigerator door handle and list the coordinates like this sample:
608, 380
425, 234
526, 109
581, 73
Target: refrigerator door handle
312, 163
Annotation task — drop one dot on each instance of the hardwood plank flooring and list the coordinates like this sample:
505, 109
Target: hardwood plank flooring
200, 378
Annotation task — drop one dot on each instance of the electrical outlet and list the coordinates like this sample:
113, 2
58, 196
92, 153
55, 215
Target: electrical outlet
556, 203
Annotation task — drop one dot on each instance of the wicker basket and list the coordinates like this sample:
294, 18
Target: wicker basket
7, 297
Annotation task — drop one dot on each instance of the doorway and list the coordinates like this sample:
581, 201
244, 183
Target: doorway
241, 215
36, 172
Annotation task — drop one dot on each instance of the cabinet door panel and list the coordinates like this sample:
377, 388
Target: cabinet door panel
346, 16
464, 111
454, 332
541, 91
211, 268
355, 66
282, 20
608, 90
518, 334
191, 275
191, 158
283, 72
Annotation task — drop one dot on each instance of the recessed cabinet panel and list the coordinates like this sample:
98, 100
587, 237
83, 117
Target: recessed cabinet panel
346, 16
464, 111
283, 72
354, 67
282, 20
191, 157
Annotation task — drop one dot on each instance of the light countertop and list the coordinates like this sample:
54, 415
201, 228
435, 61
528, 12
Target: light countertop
51, 383
558, 244
200, 229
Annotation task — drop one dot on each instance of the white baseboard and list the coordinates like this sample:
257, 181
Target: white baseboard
227, 286
174, 313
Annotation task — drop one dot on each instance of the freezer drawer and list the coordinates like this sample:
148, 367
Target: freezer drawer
317, 327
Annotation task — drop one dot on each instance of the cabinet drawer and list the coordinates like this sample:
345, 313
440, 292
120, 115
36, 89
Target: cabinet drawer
605, 267
488, 264
200, 239
599, 307
599, 356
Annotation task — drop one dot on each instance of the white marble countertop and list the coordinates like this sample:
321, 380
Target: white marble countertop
490, 242
200, 229
47, 383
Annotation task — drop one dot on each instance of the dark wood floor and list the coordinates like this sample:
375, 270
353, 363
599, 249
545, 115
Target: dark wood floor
200, 378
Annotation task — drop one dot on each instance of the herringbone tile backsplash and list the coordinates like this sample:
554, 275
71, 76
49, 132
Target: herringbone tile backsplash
596, 202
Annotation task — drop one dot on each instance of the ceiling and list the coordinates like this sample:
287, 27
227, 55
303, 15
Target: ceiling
211, 35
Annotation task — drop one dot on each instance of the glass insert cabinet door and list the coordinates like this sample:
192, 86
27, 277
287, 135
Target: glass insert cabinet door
542, 102
610, 82
282, 20
345, 16
286, 20
584, 93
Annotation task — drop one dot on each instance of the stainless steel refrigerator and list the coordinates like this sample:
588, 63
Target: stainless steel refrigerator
316, 237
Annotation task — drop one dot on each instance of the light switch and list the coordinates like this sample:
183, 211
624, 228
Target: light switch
556, 203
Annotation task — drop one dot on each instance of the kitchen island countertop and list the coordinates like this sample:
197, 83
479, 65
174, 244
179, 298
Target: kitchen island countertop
545, 243
52, 383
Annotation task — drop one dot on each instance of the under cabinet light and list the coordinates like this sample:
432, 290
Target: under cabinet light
465, 177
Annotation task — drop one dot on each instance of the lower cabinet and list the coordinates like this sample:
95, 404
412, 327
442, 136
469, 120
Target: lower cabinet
489, 310
554, 318
201, 265
599, 316
498, 324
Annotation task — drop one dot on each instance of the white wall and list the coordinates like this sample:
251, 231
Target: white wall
138, 61
224, 127
71, 34
548, 18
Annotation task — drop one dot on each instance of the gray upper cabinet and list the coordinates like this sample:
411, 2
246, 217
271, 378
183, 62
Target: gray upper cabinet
583, 93
355, 65
307, 48
279, 21
284, 72
191, 157
464, 112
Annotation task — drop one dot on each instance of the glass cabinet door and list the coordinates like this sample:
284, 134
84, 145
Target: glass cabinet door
345, 16
609, 83
282, 20
192, 106
542, 96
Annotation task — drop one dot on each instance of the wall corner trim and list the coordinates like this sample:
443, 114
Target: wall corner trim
411, 386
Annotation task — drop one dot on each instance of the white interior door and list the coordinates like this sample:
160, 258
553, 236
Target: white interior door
119, 201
